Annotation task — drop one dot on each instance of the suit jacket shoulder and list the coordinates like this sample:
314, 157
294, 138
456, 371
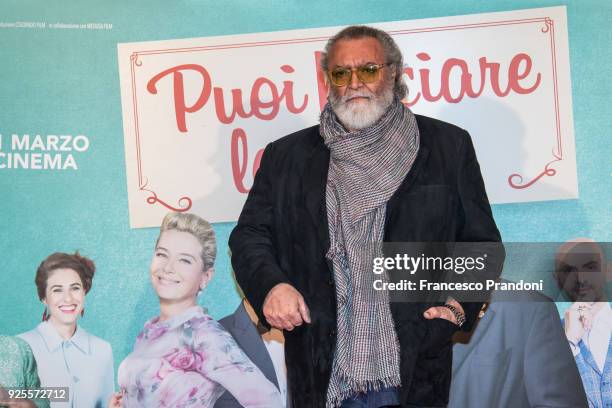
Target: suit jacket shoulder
436, 126
305, 139
239, 325
443, 139
521, 354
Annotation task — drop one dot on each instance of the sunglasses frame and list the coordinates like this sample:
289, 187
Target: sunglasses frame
357, 71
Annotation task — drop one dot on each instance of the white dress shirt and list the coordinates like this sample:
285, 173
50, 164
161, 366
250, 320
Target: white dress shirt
276, 351
84, 363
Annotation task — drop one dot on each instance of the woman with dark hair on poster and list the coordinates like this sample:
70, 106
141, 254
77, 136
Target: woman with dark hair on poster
66, 354
183, 357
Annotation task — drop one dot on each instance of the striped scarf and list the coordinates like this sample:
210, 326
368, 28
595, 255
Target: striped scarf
366, 167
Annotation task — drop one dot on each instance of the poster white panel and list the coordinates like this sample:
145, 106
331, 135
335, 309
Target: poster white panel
198, 112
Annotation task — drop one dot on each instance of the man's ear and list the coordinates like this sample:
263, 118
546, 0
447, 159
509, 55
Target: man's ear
326, 81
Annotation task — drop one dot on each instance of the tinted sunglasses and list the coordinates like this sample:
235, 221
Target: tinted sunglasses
368, 73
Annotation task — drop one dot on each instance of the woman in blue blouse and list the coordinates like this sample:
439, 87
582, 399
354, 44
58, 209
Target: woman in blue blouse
67, 355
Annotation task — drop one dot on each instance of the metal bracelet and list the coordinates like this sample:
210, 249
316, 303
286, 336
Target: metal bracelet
460, 317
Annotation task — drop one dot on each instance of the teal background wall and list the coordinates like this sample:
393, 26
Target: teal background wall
67, 82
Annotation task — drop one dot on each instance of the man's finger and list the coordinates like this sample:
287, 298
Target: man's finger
575, 315
273, 322
587, 321
432, 313
276, 320
303, 309
294, 318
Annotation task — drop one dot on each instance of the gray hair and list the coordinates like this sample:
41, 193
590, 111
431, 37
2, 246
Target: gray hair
393, 54
199, 228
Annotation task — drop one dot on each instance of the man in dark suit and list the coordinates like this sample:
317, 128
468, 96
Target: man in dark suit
324, 200
516, 356
264, 347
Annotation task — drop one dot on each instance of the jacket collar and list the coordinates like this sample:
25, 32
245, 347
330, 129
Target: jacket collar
248, 338
314, 183
588, 356
53, 341
155, 328
590, 360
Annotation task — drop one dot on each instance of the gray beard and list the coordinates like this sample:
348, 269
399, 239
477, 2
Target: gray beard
357, 116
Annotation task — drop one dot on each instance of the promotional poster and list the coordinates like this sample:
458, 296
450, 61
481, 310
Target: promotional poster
434, 231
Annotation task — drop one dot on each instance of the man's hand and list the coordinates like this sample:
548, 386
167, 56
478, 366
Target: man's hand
441, 312
285, 308
578, 319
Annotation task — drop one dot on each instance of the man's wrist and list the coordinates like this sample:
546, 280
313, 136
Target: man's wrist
459, 316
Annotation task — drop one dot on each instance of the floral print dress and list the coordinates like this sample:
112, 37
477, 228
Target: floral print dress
189, 360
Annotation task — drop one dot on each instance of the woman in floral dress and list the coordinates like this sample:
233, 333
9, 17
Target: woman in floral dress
183, 357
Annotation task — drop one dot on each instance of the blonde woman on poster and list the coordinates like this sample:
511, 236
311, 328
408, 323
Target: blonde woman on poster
183, 357
66, 354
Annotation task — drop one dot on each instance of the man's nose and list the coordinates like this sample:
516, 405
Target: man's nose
355, 81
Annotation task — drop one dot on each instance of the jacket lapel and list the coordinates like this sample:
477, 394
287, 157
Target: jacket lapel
313, 188
410, 178
251, 343
590, 360
461, 354
417, 166
607, 368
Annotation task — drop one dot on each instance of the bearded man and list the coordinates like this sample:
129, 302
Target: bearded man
371, 172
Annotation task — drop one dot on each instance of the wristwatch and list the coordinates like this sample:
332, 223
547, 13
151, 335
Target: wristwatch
460, 317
